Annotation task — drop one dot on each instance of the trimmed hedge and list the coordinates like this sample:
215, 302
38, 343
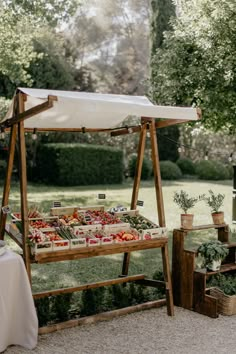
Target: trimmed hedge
211, 170
78, 164
169, 170
186, 165
146, 168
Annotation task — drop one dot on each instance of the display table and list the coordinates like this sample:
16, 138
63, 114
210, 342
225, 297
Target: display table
19, 323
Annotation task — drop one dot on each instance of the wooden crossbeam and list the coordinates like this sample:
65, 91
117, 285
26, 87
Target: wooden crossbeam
29, 113
119, 280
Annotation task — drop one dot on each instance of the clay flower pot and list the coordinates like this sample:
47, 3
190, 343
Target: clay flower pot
187, 221
218, 218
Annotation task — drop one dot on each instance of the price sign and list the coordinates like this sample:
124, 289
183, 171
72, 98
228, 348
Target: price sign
87, 218
140, 202
6, 209
102, 196
56, 204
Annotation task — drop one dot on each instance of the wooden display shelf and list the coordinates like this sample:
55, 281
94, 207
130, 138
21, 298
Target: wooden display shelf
224, 268
94, 251
183, 263
204, 227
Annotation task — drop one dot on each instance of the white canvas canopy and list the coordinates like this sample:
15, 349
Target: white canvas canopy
93, 110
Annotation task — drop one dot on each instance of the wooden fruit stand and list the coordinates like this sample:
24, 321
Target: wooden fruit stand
45, 111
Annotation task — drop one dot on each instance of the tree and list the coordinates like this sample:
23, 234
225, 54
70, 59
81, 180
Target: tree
20, 23
197, 65
112, 39
162, 12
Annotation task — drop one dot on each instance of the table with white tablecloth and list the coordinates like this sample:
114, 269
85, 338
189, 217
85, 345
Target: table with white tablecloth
18, 319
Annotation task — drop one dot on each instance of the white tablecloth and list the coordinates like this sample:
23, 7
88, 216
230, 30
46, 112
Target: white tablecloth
18, 319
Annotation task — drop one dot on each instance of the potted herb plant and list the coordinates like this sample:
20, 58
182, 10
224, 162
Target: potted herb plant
185, 202
215, 202
213, 252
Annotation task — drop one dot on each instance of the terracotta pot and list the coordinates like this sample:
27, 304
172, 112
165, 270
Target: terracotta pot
186, 221
218, 218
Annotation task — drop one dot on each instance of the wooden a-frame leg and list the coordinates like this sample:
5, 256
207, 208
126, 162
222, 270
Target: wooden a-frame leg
157, 173
137, 179
23, 189
6, 189
167, 278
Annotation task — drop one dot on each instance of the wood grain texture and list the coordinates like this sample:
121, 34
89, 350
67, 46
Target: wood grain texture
94, 251
23, 187
7, 183
157, 174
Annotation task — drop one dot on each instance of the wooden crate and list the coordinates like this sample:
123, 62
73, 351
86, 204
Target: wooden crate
154, 233
127, 213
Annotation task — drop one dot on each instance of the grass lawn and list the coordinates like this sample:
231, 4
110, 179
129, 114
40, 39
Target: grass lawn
70, 273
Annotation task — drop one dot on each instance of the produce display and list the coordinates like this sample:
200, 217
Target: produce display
89, 217
86, 228
125, 236
138, 222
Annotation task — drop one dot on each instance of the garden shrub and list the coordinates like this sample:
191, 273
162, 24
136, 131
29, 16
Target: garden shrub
146, 168
78, 164
169, 170
211, 170
186, 165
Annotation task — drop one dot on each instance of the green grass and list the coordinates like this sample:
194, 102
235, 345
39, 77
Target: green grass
70, 273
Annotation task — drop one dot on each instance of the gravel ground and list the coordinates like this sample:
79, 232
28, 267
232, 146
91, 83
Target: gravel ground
146, 332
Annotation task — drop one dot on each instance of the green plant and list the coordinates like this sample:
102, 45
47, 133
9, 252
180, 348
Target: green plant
213, 250
211, 170
226, 283
214, 201
169, 170
186, 165
146, 167
78, 164
184, 201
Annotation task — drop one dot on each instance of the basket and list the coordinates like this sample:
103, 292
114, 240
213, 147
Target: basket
226, 303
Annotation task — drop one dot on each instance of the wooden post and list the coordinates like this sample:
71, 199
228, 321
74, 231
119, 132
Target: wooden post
23, 187
167, 277
6, 189
139, 165
157, 173
137, 179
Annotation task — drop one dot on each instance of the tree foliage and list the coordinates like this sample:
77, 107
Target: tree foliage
20, 23
162, 11
197, 64
112, 38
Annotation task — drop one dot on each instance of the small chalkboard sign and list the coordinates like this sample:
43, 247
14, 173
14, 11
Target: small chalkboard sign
140, 202
6, 209
87, 218
101, 196
56, 204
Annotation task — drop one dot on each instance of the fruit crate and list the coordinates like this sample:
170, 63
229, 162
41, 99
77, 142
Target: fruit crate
41, 247
150, 234
137, 221
56, 211
126, 213
81, 231
122, 233
78, 243
60, 245
70, 210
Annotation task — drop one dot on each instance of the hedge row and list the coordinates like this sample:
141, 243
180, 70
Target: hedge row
205, 169
77, 164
